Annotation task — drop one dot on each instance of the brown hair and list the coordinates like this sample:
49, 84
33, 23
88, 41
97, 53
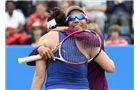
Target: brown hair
41, 28
95, 25
43, 3
58, 15
115, 28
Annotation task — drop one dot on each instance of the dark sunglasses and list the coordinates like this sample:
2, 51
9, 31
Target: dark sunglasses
78, 16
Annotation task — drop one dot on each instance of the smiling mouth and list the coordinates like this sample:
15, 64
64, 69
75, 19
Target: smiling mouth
77, 26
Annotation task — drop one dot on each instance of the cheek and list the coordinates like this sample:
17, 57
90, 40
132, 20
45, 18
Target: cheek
40, 9
114, 34
37, 32
84, 24
70, 23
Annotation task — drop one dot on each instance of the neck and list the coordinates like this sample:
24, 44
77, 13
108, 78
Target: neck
42, 15
36, 38
10, 13
115, 38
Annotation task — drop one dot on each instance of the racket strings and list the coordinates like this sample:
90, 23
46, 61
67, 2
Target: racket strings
87, 38
70, 52
89, 43
80, 47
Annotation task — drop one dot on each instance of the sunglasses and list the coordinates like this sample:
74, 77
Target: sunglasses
78, 16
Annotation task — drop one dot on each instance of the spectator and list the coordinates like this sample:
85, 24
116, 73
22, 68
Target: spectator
23, 6
133, 16
120, 12
37, 30
39, 16
15, 21
116, 38
72, 2
93, 26
64, 5
51, 4
96, 11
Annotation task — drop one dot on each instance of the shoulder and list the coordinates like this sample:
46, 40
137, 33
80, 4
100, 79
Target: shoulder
123, 39
100, 34
18, 12
50, 34
109, 41
48, 38
33, 15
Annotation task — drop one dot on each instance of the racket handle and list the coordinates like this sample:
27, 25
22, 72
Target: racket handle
29, 59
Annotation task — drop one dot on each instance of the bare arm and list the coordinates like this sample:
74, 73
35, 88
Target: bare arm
99, 8
105, 62
47, 41
39, 75
60, 28
20, 28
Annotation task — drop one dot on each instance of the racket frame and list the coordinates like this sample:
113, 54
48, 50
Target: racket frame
58, 47
89, 60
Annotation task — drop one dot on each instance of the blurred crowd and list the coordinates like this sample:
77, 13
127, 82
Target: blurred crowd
26, 21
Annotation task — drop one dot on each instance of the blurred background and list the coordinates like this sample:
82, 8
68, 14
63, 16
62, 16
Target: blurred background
26, 23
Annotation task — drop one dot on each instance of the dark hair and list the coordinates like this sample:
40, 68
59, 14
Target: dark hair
59, 16
11, 1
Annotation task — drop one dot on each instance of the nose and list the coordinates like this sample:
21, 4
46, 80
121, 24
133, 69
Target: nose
76, 20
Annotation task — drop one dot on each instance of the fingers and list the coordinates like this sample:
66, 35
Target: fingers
49, 54
46, 53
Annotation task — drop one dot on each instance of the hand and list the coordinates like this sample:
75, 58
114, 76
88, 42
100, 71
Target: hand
45, 53
62, 29
8, 33
88, 8
91, 17
116, 2
123, 1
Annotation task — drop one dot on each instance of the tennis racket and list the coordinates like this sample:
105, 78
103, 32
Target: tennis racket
76, 48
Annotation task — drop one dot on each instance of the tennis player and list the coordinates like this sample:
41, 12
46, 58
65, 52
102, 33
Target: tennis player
96, 69
61, 75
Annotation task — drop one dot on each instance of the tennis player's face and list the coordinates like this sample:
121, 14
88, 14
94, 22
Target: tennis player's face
76, 23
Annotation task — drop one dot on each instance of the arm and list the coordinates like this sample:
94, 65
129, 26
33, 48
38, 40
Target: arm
60, 28
20, 28
102, 38
127, 5
47, 42
29, 22
100, 8
105, 62
39, 76
43, 46
112, 6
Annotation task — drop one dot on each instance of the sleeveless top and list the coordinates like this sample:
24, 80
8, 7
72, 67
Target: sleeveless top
66, 76
96, 74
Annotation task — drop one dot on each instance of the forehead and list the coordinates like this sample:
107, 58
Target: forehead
10, 3
75, 12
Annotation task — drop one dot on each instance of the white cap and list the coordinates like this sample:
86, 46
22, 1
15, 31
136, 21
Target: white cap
75, 8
